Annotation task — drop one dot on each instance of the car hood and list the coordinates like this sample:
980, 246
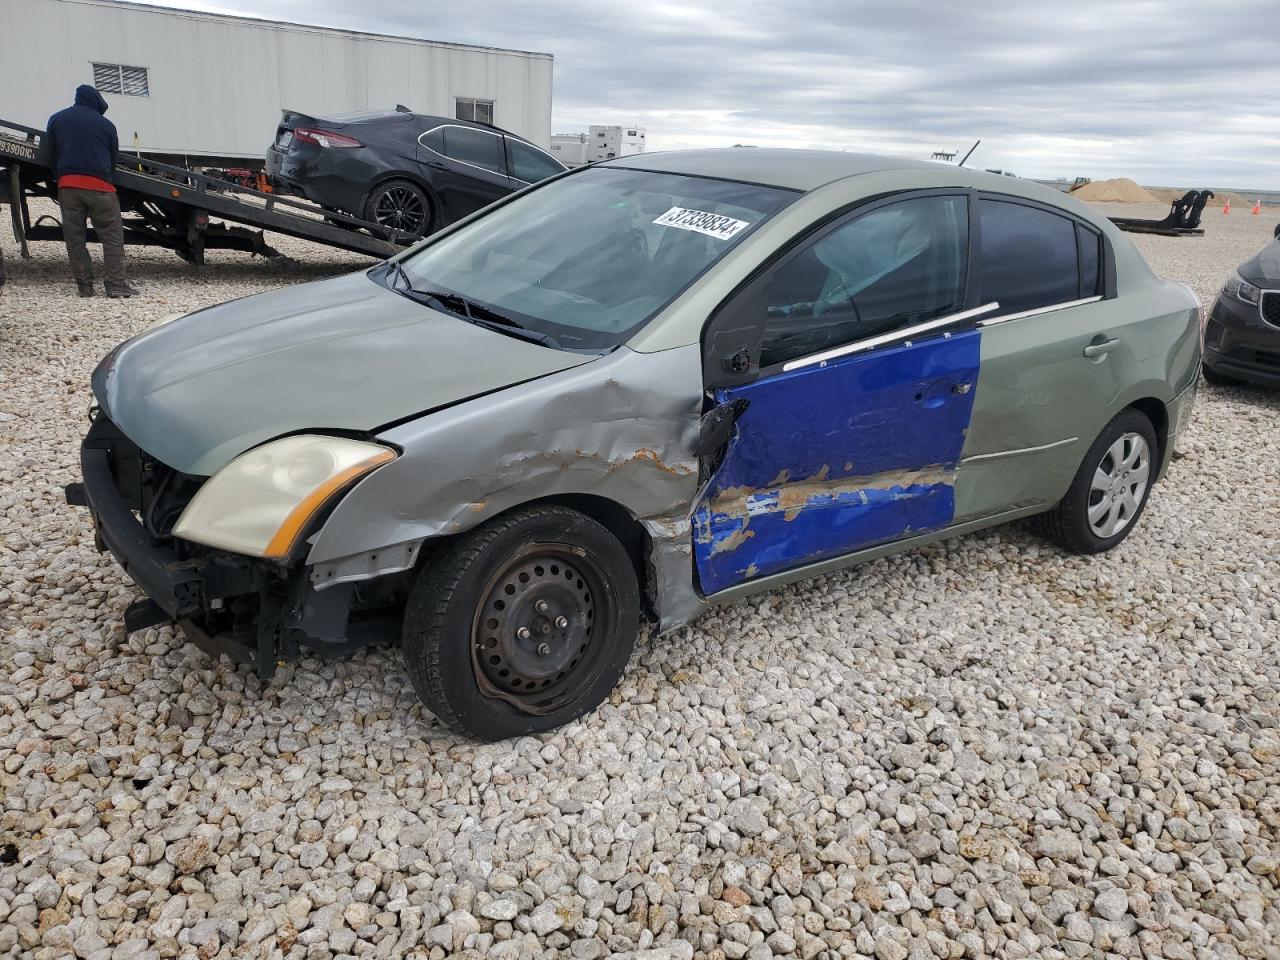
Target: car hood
1263, 269
345, 354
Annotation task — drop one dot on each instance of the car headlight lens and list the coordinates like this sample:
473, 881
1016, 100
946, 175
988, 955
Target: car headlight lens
260, 503
1241, 289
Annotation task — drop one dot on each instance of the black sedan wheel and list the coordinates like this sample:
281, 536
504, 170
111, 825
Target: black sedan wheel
400, 205
522, 624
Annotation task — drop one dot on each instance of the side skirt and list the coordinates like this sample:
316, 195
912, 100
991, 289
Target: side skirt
872, 553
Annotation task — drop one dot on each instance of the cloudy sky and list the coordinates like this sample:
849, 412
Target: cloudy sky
1167, 92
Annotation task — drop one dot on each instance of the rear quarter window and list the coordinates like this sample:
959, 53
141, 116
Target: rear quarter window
1090, 245
1027, 257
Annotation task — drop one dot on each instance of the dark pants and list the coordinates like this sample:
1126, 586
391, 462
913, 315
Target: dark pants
104, 210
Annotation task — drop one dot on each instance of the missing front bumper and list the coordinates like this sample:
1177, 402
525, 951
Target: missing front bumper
246, 609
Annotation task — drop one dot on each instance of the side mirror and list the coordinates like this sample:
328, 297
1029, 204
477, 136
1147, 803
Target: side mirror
731, 345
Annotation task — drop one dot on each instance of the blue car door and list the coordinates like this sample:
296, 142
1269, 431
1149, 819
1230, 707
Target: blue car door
851, 419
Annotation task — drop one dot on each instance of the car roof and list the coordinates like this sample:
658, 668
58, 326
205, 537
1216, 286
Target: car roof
803, 170
430, 121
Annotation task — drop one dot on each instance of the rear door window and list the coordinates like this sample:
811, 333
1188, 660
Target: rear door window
889, 268
475, 147
1028, 257
530, 164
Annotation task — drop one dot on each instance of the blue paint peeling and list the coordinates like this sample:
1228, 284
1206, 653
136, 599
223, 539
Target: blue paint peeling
834, 458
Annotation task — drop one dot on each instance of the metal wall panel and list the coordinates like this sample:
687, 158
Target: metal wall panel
217, 84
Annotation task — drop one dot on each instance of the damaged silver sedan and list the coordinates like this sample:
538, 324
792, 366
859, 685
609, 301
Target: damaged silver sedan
628, 392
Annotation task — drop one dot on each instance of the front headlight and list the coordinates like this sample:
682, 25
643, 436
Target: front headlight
1241, 289
260, 502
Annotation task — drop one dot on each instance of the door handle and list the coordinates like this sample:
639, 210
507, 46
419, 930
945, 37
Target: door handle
1100, 348
436, 165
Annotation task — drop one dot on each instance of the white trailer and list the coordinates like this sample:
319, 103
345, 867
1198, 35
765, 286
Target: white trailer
203, 87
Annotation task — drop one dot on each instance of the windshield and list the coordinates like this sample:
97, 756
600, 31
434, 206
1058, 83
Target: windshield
589, 259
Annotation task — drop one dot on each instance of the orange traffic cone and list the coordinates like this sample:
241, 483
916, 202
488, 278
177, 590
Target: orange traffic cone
1226, 208
1257, 207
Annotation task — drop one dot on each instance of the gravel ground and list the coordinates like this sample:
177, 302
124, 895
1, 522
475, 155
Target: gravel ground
980, 748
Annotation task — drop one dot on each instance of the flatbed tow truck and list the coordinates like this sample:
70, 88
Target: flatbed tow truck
178, 208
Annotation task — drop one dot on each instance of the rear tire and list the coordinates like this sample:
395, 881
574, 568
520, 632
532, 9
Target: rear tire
1219, 379
522, 624
1110, 490
400, 205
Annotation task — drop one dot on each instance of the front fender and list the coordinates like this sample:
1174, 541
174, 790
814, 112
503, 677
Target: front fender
622, 427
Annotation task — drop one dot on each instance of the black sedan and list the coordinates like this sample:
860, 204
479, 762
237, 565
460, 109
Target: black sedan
1242, 333
404, 170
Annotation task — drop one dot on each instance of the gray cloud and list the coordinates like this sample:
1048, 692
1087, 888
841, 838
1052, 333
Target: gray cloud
1167, 92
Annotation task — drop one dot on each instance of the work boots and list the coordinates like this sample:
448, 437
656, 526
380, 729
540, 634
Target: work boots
84, 288
117, 290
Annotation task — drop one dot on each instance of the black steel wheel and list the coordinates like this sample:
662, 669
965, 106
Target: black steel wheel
400, 205
531, 641
522, 624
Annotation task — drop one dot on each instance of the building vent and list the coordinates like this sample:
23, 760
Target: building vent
119, 79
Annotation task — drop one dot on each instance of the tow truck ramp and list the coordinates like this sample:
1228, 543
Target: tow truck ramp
175, 207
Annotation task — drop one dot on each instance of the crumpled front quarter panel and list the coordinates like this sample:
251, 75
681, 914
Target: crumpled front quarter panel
622, 427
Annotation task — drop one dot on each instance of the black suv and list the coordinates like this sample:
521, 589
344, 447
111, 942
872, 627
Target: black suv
1242, 333
401, 169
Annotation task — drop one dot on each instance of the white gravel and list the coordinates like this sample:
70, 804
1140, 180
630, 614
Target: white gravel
980, 748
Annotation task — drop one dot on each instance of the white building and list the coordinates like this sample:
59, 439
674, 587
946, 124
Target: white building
207, 85
605, 143
569, 148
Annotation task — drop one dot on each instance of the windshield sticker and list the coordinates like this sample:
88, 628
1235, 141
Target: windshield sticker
699, 221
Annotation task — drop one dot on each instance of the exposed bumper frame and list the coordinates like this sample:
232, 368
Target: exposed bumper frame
190, 591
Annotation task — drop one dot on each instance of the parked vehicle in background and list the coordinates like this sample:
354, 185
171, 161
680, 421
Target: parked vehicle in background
1242, 333
653, 384
401, 169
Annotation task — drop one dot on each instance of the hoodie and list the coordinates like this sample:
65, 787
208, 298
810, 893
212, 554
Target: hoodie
80, 139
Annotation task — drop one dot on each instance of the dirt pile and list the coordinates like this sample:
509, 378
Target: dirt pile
1119, 190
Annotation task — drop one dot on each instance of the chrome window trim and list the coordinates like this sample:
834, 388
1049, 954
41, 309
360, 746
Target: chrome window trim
905, 335
1013, 453
1039, 310
474, 166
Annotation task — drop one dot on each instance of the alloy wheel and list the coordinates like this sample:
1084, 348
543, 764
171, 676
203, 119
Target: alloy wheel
401, 209
1119, 484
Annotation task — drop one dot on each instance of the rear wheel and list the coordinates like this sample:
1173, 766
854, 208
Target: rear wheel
400, 205
1109, 491
523, 624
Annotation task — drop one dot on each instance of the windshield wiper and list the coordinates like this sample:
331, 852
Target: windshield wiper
482, 316
395, 270
470, 310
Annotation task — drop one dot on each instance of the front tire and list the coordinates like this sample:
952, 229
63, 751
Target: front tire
1110, 490
522, 624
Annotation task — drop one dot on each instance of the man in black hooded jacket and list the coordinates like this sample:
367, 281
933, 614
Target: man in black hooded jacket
82, 147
